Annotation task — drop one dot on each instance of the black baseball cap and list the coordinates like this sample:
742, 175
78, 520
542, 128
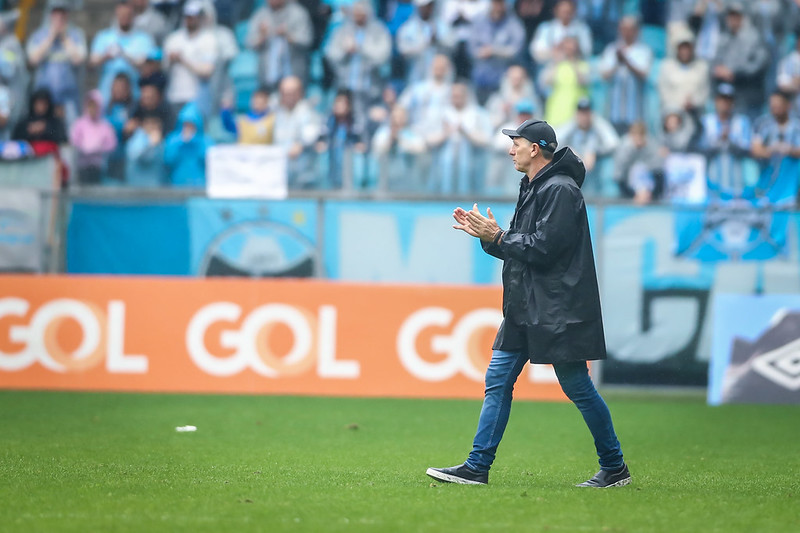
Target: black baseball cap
536, 131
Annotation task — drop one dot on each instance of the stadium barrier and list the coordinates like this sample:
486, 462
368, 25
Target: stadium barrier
302, 337
659, 266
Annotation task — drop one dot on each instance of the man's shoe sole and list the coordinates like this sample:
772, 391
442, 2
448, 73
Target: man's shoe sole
447, 478
620, 483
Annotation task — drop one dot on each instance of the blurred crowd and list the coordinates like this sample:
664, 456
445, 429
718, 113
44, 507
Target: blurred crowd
408, 96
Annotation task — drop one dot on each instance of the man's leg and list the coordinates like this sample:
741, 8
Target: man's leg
577, 385
501, 375
500, 378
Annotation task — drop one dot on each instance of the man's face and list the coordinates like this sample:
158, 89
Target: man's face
458, 96
685, 52
124, 14
628, 31
58, 18
564, 12
359, 15
93, 109
276, 4
521, 153
779, 107
290, 92
192, 22
150, 97
723, 105
734, 21
120, 90
40, 106
259, 102
440, 67
583, 118
497, 10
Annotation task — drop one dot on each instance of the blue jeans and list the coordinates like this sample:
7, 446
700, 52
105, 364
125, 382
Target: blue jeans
574, 379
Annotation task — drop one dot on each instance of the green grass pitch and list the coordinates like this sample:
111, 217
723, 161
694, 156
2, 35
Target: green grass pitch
114, 462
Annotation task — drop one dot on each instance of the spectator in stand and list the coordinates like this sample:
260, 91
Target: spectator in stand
320, 13
458, 138
343, 138
789, 74
566, 81
93, 139
678, 132
545, 44
151, 104
741, 60
185, 149
532, 13
255, 127
704, 21
282, 34
601, 16
118, 113
57, 50
459, 16
772, 19
191, 55
297, 128
41, 128
594, 140
424, 98
379, 113
496, 41
357, 50
149, 20
638, 166
421, 38
397, 146
144, 155
683, 81
151, 73
725, 141
14, 77
6, 125
503, 179
626, 64
776, 145
776, 134
120, 49
516, 86
227, 49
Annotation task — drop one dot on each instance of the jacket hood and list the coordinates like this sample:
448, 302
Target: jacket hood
190, 113
565, 162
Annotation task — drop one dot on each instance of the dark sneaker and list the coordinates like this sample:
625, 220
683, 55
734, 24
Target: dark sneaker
605, 479
461, 474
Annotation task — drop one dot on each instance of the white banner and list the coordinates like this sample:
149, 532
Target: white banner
20, 230
246, 171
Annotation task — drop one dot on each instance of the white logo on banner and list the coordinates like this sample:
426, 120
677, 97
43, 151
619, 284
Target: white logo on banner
781, 366
102, 333
313, 338
462, 350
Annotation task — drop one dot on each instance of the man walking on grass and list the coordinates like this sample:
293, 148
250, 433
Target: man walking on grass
551, 302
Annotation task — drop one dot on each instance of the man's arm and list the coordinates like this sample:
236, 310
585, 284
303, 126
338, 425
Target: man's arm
556, 230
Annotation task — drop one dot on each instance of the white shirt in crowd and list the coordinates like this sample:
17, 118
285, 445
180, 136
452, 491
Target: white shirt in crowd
201, 50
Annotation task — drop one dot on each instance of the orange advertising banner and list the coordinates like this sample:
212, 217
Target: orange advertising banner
252, 336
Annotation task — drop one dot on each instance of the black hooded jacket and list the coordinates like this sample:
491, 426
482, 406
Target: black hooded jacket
53, 131
551, 302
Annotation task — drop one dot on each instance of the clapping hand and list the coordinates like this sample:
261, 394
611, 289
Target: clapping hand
474, 223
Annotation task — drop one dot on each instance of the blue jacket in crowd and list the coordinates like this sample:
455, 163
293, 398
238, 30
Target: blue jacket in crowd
186, 159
